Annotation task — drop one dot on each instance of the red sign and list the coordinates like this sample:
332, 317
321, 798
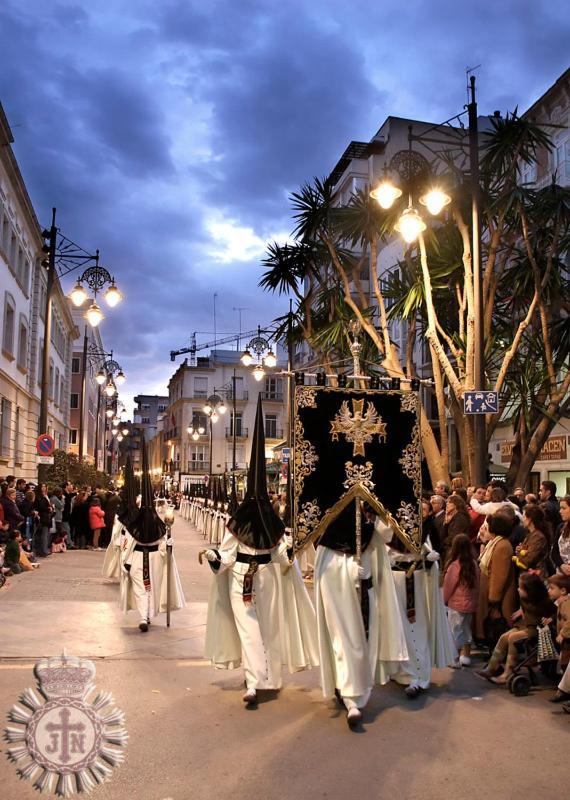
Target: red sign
45, 445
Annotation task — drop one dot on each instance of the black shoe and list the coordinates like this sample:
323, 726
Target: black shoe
566, 708
148, 622
143, 627
559, 697
412, 692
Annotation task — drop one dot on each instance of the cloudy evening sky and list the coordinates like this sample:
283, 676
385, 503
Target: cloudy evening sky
169, 134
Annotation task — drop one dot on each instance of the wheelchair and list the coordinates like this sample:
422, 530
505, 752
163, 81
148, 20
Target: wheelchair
525, 676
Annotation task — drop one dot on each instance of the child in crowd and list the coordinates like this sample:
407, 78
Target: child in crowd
96, 521
461, 595
535, 605
559, 592
12, 553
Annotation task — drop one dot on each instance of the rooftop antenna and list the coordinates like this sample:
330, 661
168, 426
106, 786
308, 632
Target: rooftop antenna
239, 309
215, 330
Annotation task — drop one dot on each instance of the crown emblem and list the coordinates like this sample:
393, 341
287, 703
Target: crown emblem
64, 676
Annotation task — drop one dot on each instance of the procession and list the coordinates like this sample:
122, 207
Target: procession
284, 399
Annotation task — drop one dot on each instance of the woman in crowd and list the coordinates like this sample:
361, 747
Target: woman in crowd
12, 513
44, 508
535, 605
497, 592
534, 549
561, 544
30, 515
456, 521
460, 595
80, 520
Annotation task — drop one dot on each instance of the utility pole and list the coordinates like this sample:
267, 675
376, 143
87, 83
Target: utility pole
479, 422
44, 390
83, 393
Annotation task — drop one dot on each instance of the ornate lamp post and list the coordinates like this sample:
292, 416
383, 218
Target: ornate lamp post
413, 170
110, 373
259, 348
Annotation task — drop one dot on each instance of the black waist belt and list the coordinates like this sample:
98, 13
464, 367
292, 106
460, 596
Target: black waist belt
146, 548
262, 558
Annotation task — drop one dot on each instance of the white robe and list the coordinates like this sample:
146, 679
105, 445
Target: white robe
278, 627
133, 593
112, 561
428, 637
348, 660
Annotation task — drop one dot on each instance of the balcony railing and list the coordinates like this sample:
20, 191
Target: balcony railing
241, 433
276, 397
197, 466
274, 433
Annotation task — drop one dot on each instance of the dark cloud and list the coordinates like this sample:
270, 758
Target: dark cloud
158, 129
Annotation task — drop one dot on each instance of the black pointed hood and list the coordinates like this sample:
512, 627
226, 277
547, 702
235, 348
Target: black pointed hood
254, 522
128, 507
146, 526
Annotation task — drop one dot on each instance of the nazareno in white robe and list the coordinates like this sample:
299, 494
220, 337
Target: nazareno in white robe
112, 561
349, 662
278, 627
133, 594
428, 638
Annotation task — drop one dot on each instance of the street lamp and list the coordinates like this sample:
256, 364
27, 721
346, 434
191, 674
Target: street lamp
109, 372
259, 347
414, 169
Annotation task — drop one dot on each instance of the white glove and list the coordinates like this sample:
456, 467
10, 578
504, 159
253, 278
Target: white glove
433, 555
209, 555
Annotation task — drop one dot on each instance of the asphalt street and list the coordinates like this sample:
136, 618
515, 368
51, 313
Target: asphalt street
191, 738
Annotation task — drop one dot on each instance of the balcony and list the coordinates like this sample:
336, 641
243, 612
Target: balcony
272, 397
241, 394
241, 433
274, 433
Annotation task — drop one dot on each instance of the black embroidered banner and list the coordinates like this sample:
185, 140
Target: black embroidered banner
350, 437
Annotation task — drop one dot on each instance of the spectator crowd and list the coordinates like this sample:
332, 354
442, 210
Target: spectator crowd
36, 523
506, 573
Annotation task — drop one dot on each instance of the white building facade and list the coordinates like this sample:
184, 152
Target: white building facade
188, 458
22, 315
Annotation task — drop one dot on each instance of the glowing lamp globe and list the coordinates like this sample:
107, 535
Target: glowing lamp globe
94, 315
386, 194
410, 225
435, 200
78, 295
113, 296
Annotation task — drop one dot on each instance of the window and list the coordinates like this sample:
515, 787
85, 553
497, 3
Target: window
18, 440
200, 387
41, 362
239, 428
61, 392
73, 436
271, 426
5, 427
50, 393
75, 365
145, 420
273, 389
74, 400
23, 343
9, 318
56, 387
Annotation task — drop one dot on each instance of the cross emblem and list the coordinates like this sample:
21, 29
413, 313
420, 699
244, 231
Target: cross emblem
65, 737
359, 427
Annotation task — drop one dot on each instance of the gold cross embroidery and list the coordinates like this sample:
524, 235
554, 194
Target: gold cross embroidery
358, 427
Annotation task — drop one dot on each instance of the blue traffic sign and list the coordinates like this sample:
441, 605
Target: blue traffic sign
481, 403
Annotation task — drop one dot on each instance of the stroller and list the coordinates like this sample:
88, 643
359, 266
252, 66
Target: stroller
538, 656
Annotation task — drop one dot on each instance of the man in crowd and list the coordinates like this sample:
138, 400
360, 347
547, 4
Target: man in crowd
549, 503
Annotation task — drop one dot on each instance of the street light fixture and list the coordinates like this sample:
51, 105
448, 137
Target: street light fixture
386, 194
120, 377
113, 296
259, 347
435, 200
94, 315
410, 224
258, 372
110, 389
125, 431
78, 295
